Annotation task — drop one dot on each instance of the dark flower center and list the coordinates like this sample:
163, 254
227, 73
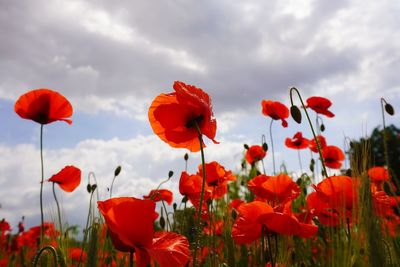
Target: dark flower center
197, 120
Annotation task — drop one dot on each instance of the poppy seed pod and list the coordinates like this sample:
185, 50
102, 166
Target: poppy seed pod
265, 147
295, 113
117, 171
389, 109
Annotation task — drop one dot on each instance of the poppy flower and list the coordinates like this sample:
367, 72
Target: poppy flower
322, 209
297, 142
174, 116
255, 153
75, 255
247, 227
338, 191
320, 105
313, 145
333, 157
280, 189
130, 222
217, 178
160, 195
190, 186
255, 185
68, 178
276, 110
378, 174
43, 106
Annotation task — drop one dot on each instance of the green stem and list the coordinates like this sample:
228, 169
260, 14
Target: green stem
311, 126
131, 258
272, 145
86, 228
271, 258
112, 185
299, 157
41, 187
263, 261
198, 223
385, 148
39, 254
166, 214
59, 213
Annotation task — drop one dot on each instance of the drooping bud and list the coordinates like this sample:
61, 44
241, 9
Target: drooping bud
162, 222
94, 186
246, 146
312, 167
185, 199
265, 147
174, 206
295, 113
389, 109
89, 188
170, 173
117, 171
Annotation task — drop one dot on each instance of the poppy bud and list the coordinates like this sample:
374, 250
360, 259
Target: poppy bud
89, 188
234, 214
299, 181
295, 113
94, 186
174, 206
312, 161
170, 173
351, 144
265, 147
389, 109
246, 146
322, 127
162, 222
117, 171
184, 199
312, 167
186, 157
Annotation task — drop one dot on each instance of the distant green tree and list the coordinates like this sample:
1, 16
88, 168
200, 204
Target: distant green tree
377, 153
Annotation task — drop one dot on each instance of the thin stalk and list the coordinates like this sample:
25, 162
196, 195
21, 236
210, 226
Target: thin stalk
197, 227
39, 254
41, 187
112, 185
311, 126
385, 148
272, 145
131, 258
59, 213
299, 157
86, 228
166, 214
271, 258
263, 261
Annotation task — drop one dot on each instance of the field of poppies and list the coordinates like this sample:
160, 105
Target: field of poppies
221, 218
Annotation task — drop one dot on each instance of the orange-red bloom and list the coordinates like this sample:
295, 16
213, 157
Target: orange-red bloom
378, 174
247, 227
297, 142
321, 141
43, 106
190, 186
276, 110
174, 116
130, 222
320, 105
160, 194
68, 178
280, 189
333, 157
75, 255
255, 153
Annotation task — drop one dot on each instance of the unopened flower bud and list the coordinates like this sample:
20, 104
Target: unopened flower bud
117, 171
295, 113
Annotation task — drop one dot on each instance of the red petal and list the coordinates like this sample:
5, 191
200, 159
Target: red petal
68, 178
170, 249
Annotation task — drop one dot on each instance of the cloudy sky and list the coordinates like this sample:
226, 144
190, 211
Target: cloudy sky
111, 58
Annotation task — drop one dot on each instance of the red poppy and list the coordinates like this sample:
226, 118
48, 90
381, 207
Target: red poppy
43, 106
75, 255
255, 153
174, 116
320, 105
190, 186
276, 110
320, 208
235, 204
297, 142
217, 178
313, 144
247, 227
68, 178
378, 174
160, 194
338, 191
130, 222
255, 185
286, 224
333, 157
280, 189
